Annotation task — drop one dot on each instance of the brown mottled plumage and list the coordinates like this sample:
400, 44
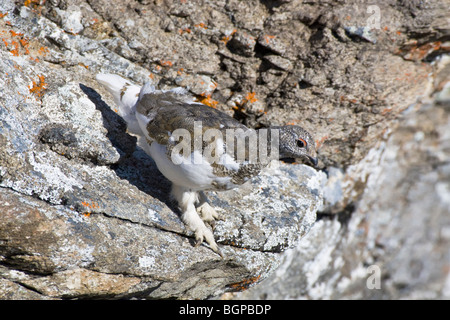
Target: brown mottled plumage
158, 116
169, 113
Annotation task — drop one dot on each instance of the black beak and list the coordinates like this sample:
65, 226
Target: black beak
314, 161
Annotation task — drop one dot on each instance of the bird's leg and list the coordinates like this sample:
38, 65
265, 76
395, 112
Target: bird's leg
206, 212
186, 200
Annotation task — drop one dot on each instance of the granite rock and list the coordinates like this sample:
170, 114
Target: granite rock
76, 190
393, 242
86, 214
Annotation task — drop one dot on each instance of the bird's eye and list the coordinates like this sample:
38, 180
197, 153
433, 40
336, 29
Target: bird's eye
301, 143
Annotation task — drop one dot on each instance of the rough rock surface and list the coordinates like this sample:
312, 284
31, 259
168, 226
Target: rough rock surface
394, 243
86, 214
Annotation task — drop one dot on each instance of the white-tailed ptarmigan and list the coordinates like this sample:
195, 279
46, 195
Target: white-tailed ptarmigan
199, 148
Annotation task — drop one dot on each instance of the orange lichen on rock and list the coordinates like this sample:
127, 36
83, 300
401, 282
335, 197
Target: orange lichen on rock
180, 71
268, 37
38, 88
201, 25
93, 205
18, 44
207, 100
166, 63
244, 284
89, 206
228, 37
416, 53
213, 85
42, 51
319, 142
249, 98
184, 30
14, 42
15, 51
33, 3
83, 65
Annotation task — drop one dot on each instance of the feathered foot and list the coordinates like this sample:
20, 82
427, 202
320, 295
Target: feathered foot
186, 200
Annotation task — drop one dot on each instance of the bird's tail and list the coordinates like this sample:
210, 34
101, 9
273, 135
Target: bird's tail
124, 92
125, 95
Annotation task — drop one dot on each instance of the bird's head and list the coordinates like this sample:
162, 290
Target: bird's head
296, 142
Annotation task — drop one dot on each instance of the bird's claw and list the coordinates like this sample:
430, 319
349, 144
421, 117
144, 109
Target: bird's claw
212, 223
206, 235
